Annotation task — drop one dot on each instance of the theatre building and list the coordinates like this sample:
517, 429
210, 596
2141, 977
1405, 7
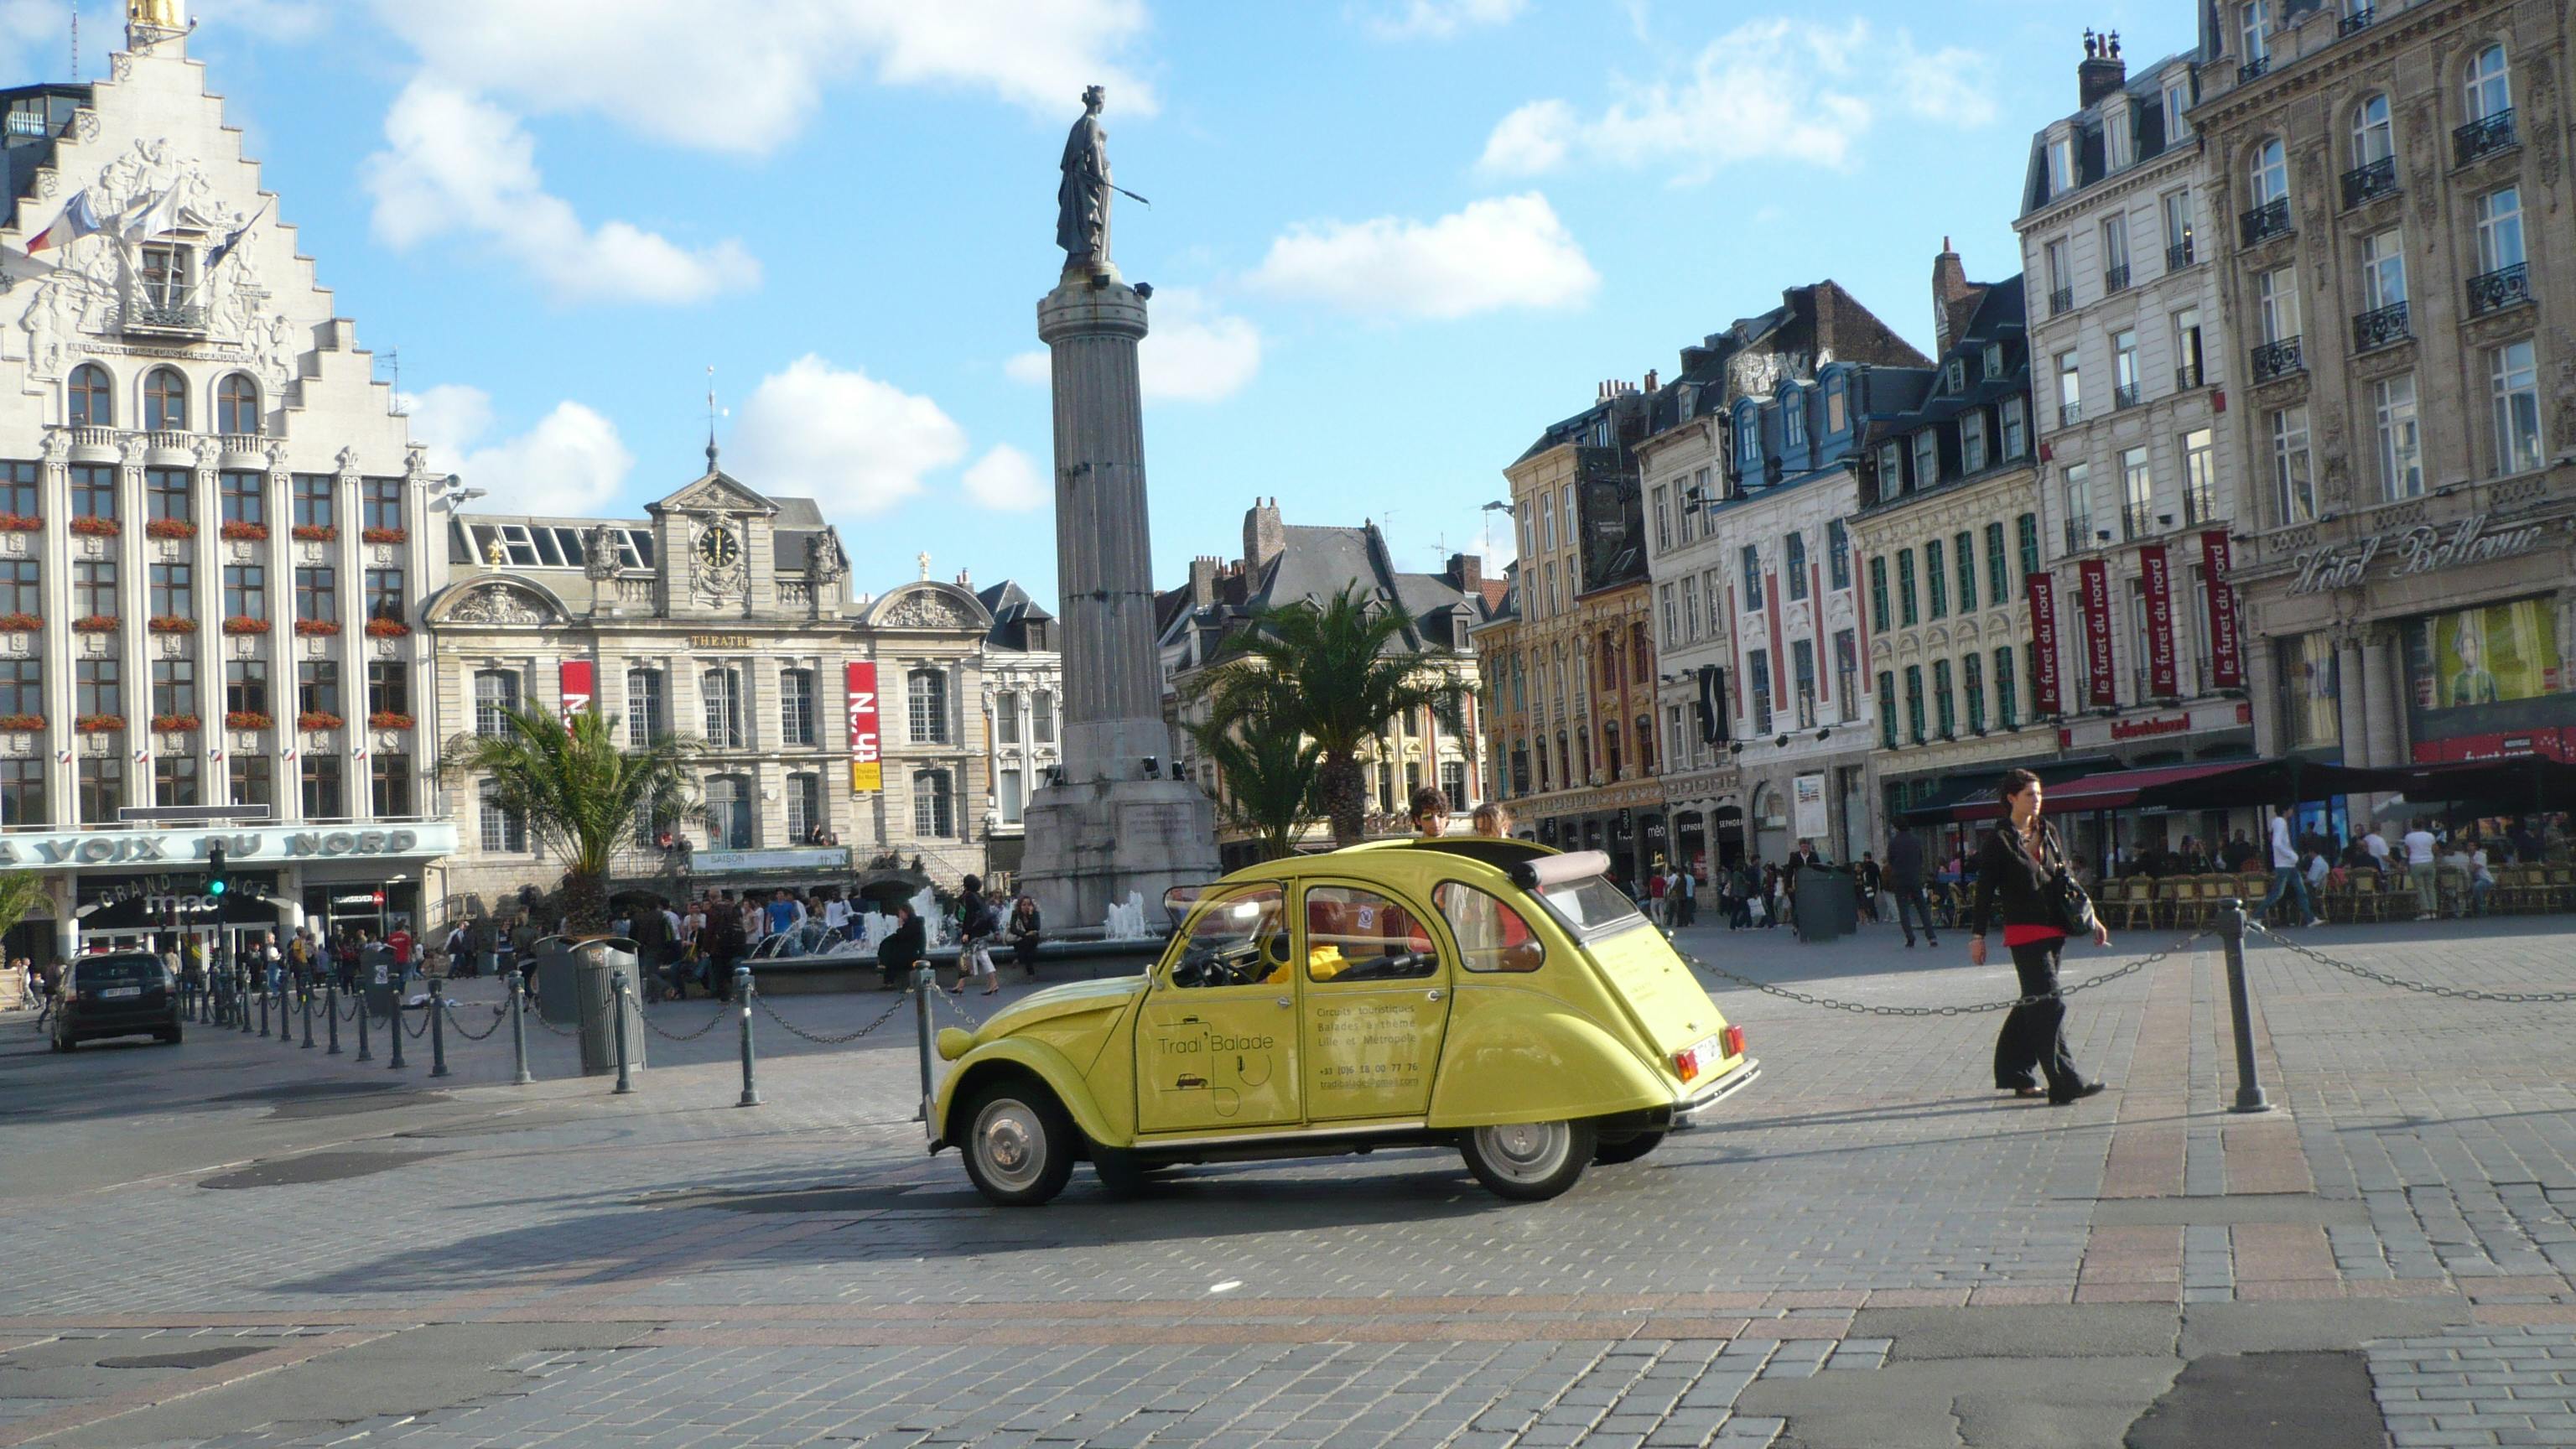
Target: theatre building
210, 536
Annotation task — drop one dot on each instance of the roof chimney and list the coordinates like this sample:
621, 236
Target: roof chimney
1264, 536
1203, 575
1952, 298
1467, 573
2102, 71
1650, 379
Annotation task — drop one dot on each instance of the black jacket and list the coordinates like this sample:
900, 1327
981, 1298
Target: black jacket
902, 946
1904, 861
2012, 887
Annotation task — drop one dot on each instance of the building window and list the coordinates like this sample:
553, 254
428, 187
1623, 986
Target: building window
1837, 407
1914, 703
646, 721
1972, 442
390, 777
1758, 667
98, 688
1945, 708
237, 405
2515, 388
22, 793
2311, 711
796, 706
2270, 173
1847, 673
926, 697
246, 687
1998, 568
721, 691
173, 589
2372, 139
325, 788
1752, 578
315, 504
1748, 444
1672, 617
2078, 482
1891, 471
1927, 458
94, 490
1042, 717
1547, 521
2499, 216
496, 698
1936, 581
2383, 270
1802, 680
804, 808
21, 587
2401, 446
317, 594
22, 686
2007, 709
1690, 611
254, 781
2177, 106
2026, 542
2188, 363
244, 497
1972, 688
2070, 390
101, 787
1905, 610
174, 688
385, 595
2119, 136
1012, 798
165, 401
317, 686
505, 831
2276, 304
168, 496
2137, 494
90, 401
2490, 88
729, 812
2179, 251
2294, 494
1663, 520
2124, 368
2016, 428
1887, 737
1838, 573
94, 589
2199, 478
1963, 551
2115, 252
1796, 566
1793, 418
1878, 593
2061, 165
933, 805
382, 501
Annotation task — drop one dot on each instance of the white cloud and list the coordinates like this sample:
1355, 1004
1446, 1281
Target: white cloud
1034, 368
460, 163
1195, 352
1507, 251
857, 445
32, 38
572, 462
1006, 479
1769, 90
747, 78
1441, 19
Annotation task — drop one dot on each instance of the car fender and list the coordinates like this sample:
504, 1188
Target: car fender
1515, 1055
1036, 1058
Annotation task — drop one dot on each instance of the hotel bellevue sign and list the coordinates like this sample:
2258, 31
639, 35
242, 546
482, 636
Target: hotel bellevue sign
2422, 549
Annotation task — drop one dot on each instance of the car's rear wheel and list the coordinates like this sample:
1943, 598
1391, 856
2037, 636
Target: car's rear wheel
1530, 1161
169, 1035
1627, 1149
1019, 1143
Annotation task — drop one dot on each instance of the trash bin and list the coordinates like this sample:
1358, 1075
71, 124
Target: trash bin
1828, 904
377, 980
549, 977
596, 965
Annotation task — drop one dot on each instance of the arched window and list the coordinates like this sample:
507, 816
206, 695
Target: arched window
1793, 418
1748, 442
237, 405
165, 401
91, 402
1645, 744
934, 806
2372, 139
2270, 173
1611, 761
2490, 89
926, 694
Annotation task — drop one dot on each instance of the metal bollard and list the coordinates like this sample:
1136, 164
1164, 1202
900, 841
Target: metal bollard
394, 1029
263, 1011
519, 1029
306, 992
241, 996
2249, 1085
617, 1002
924, 982
742, 994
285, 1015
363, 1054
437, 1026
331, 1013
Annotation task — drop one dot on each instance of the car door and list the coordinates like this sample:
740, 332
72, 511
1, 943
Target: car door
1216, 1039
1376, 1002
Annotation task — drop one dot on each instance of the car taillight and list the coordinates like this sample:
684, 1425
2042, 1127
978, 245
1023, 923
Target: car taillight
1733, 1039
1686, 1063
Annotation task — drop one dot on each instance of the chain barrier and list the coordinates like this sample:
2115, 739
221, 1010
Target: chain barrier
500, 1014
950, 1001
1859, 1008
401, 1011
723, 1010
820, 1039
2464, 993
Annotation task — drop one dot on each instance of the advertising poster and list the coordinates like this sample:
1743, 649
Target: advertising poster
2044, 700
579, 680
2226, 651
1807, 806
2094, 579
867, 758
2494, 655
2156, 574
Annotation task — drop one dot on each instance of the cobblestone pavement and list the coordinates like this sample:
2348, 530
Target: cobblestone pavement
240, 1241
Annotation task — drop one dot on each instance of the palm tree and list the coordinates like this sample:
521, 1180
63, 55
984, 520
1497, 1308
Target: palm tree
1270, 773
580, 791
1338, 673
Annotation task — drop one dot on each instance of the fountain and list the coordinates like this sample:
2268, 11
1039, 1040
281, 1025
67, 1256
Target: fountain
1126, 919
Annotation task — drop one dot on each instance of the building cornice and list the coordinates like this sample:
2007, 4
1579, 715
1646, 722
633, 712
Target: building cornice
2334, 61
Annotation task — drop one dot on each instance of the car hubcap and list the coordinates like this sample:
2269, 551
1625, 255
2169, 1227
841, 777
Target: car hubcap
1525, 1151
1011, 1144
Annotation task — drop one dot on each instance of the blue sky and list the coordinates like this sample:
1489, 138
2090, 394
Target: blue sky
1390, 239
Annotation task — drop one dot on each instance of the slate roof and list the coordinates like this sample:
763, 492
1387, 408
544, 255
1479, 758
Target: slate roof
2144, 89
1318, 562
1013, 612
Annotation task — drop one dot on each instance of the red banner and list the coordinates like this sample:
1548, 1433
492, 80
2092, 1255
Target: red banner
2156, 574
867, 767
579, 679
2093, 582
2044, 700
2226, 651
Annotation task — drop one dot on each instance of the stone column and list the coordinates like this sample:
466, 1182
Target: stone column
2351, 679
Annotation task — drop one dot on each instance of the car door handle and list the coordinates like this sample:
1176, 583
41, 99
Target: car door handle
1283, 1001
1433, 994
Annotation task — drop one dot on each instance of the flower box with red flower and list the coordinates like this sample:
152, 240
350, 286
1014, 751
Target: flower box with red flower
20, 623
387, 628
22, 723
95, 624
242, 531
101, 724
245, 624
169, 528
172, 624
97, 527
177, 723
317, 628
314, 719
385, 719
247, 719
314, 533
384, 535
21, 523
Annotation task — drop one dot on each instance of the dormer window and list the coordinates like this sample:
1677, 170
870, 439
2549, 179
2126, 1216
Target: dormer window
1837, 407
1994, 359
1927, 458
1748, 441
1954, 378
1891, 470
2061, 165
2177, 101
1793, 418
2119, 134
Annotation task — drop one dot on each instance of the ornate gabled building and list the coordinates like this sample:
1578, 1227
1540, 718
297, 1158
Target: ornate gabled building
211, 529
1023, 669
831, 726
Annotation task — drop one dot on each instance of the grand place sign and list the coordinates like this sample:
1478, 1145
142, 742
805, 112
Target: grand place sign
2422, 549
89, 849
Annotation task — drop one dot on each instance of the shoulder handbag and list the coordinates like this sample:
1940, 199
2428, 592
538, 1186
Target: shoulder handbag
2073, 908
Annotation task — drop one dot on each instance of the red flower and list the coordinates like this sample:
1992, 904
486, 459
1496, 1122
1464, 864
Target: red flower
247, 719
314, 719
172, 624
20, 623
20, 523
385, 719
97, 527
314, 533
243, 532
169, 528
384, 535
95, 624
178, 722
244, 624
316, 628
387, 628
22, 723
101, 724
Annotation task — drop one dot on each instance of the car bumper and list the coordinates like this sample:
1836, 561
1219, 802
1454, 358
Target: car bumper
1695, 1109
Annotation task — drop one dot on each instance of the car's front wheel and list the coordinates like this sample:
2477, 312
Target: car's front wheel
1530, 1161
1627, 1149
1019, 1144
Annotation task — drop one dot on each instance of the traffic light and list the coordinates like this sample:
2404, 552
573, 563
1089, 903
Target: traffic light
216, 884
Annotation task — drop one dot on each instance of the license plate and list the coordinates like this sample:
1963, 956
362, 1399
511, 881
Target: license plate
1709, 1050
113, 992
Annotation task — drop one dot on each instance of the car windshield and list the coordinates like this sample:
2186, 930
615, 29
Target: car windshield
1239, 939
1591, 906
116, 971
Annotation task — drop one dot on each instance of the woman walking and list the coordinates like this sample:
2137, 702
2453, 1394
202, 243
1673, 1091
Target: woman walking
2015, 865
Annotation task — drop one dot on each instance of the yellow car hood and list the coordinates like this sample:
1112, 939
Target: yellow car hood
1074, 998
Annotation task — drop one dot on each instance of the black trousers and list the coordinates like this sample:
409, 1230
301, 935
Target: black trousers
1910, 899
2032, 1043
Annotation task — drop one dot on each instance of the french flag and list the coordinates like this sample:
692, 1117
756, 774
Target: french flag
78, 220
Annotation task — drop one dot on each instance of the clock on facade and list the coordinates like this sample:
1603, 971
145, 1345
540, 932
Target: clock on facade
718, 548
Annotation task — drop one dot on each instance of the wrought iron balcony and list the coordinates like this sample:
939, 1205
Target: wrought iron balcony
2265, 222
2247, 70
2179, 255
2069, 414
2369, 181
2485, 137
2116, 279
166, 317
2079, 534
2061, 300
2356, 20
2125, 395
2499, 289
2137, 521
2380, 327
2198, 506
2187, 377
2278, 359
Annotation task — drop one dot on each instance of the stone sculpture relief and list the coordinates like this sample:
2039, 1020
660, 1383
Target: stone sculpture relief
500, 604
927, 609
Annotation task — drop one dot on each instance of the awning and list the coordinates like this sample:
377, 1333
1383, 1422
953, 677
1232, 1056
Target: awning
1974, 787
2210, 786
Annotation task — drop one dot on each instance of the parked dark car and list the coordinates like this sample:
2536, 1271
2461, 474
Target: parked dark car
122, 993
